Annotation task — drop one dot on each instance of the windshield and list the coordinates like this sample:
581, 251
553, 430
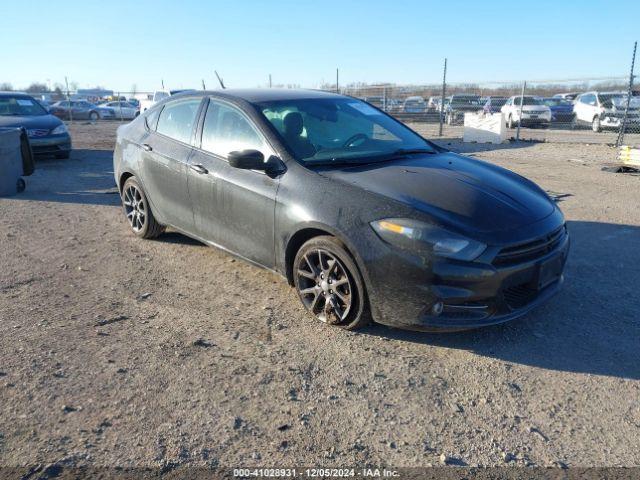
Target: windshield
20, 106
465, 100
528, 101
333, 130
556, 102
498, 102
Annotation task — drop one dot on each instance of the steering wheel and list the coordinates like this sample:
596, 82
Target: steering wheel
352, 139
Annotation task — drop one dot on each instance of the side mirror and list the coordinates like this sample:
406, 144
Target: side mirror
254, 160
247, 160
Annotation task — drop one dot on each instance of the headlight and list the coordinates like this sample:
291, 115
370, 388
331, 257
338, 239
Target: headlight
59, 130
422, 237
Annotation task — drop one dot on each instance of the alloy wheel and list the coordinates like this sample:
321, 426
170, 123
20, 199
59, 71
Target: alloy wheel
135, 208
324, 286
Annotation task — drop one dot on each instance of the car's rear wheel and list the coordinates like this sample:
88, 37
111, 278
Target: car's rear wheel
329, 283
138, 211
574, 123
94, 116
595, 124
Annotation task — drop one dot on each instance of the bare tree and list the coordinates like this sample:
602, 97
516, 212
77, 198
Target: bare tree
37, 87
6, 87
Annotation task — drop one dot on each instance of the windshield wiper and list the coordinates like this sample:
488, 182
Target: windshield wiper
369, 159
410, 151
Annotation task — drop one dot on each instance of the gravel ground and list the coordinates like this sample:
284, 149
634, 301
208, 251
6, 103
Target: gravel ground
119, 351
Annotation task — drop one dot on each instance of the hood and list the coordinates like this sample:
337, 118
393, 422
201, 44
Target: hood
467, 195
561, 108
44, 122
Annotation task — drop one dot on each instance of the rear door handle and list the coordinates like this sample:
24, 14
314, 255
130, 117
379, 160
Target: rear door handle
146, 147
199, 169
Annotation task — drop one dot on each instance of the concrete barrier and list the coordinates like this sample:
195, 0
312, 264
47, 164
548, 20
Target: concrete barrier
11, 164
481, 128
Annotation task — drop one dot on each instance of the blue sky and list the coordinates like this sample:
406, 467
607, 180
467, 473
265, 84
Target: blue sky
120, 43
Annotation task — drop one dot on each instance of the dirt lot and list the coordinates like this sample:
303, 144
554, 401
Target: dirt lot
118, 351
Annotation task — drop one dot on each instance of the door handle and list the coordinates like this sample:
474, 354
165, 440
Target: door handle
199, 169
146, 147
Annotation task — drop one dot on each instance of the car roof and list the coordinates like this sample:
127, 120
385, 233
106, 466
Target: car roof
14, 94
256, 95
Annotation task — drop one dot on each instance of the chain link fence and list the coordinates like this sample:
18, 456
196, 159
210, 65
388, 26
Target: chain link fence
585, 110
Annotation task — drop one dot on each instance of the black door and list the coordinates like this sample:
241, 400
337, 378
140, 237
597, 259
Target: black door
164, 165
233, 208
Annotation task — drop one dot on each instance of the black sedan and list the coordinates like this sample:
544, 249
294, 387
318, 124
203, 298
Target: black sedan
365, 218
47, 134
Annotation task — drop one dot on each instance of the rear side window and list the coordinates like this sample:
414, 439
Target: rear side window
226, 130
177, 119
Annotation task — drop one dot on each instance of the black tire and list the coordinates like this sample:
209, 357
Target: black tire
94, 116
327, 302
63, 155
595, 124
20, 185
139, 215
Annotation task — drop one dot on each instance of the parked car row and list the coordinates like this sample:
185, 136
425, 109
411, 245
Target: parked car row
598, 110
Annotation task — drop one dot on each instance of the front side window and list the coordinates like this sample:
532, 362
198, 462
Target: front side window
177, 119
321, 130
227, 130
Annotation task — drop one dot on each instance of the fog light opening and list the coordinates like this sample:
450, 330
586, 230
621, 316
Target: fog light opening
437, 308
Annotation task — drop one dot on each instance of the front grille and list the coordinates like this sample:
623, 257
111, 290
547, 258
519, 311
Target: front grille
44, 149
535, 112
37, 132
532, 250
519, 296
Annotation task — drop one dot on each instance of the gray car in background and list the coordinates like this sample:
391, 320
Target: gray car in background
81, 110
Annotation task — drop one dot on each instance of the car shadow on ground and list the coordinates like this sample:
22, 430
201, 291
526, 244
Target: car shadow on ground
592, 326
85, 178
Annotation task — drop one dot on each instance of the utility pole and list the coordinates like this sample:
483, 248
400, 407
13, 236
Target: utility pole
629, 92
337, 80
162, 83
204, 87
66, 82
444, 92
524, 88
269, 80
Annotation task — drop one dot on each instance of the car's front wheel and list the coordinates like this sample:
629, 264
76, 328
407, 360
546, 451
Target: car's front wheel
94, 116
138, 211
595, 125
329, 283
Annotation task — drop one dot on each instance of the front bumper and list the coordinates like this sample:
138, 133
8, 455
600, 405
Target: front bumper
530, 120
50, 145
611, 121
470, 294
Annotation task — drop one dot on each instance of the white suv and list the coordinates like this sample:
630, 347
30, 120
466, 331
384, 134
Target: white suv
534, 112
605, 110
